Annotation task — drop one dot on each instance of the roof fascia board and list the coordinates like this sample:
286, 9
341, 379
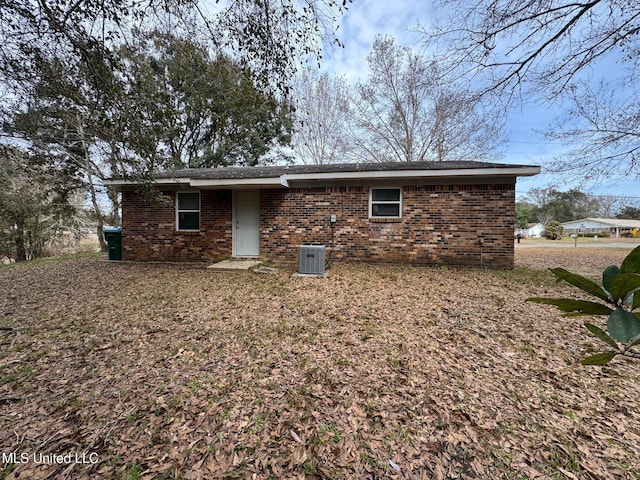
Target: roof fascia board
621, 223
284, 179
380, 182
232, 182
400, 174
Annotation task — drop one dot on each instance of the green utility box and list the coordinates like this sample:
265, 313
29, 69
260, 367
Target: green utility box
113, 237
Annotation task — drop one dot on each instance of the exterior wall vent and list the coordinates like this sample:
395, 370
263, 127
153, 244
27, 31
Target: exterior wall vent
311, 260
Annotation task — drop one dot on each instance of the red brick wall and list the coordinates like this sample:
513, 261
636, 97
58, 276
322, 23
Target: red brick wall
149, 229
440, 224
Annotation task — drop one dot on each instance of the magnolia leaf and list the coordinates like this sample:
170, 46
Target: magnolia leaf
635, 303
577, 307
631, 264
599, 359
582, 283
635, 340
608, 275
624, 284
601, 334
623, 325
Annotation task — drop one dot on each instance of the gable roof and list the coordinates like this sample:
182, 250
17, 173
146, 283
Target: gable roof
274, 176
606, 222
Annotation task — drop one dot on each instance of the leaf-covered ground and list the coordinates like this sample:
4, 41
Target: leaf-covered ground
166, 371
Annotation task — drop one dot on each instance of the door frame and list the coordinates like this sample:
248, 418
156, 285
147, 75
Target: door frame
234, 225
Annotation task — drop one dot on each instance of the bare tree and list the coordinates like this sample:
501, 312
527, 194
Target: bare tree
320, 109
548, 43
408, 111
544, 218
610, 205
552, 49
605, 127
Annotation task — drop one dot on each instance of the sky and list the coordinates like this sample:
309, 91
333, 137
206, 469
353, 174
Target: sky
526, 143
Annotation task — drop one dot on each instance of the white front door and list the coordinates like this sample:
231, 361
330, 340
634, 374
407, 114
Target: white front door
246, 223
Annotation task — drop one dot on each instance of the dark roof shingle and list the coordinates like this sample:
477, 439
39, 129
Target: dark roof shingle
275, 171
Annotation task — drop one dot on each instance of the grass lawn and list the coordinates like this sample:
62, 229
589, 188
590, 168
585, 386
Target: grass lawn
177, 372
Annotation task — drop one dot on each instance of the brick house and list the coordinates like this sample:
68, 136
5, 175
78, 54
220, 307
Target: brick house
427, 213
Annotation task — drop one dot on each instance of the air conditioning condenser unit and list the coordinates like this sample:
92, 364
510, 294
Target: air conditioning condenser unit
311, 260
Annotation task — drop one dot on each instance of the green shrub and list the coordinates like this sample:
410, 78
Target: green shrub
553, 231
619, 296
591, 235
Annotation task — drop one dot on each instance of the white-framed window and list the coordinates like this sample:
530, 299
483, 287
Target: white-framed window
385, 202
188, 211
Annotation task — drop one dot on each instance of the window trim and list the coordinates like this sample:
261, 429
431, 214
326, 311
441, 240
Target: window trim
386, 202
179, 211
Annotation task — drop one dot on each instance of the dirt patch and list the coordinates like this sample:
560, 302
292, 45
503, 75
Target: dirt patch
166, 371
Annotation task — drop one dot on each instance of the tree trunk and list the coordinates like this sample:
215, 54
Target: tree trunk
99, 215
92, 188
21, 251
115, 206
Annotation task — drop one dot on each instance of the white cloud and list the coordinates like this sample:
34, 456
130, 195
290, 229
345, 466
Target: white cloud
358, 28
527, 145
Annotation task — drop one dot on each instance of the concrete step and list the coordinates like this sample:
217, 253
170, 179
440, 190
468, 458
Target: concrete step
234, 265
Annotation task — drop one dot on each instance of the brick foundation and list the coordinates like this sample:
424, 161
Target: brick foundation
440, 225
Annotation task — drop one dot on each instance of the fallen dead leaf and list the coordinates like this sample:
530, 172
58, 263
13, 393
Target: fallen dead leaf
375, 371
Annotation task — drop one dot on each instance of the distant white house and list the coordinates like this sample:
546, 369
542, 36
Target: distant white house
615, 227
533, 230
